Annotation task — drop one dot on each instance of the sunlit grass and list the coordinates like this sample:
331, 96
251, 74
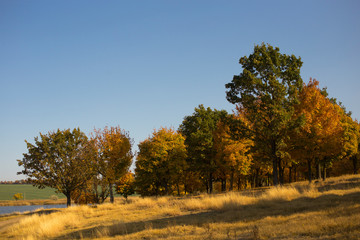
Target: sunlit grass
322, 210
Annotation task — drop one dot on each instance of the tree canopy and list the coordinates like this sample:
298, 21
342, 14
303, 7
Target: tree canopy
198, 130
268, 89
160, 163
56, 160
113, 155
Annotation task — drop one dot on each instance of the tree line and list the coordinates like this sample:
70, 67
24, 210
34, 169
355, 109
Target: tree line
281, 130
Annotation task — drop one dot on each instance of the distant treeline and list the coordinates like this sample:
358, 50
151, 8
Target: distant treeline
16, 182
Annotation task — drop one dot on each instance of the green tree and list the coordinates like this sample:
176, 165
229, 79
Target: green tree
160, 163
198, 130
56, 160
113, 155
268, 89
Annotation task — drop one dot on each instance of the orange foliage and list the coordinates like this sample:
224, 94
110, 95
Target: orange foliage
321, 135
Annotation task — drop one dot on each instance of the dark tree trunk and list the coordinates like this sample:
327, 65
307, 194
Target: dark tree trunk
239, 183
275, 163
210, 183
309, 170
68, 199
253, 178
281, 172
290, 171
295, 175
223, 185
324, 173
231, 180
257, 179
166, 188
275, 172
111, 193
355, 164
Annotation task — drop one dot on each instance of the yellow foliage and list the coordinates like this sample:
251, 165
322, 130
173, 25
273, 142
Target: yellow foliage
321, 135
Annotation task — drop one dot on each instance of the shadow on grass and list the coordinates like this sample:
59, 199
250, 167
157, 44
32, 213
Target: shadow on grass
344, 185
228, 214
41, 212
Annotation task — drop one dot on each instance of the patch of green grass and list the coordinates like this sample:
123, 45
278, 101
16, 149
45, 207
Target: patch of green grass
29, 192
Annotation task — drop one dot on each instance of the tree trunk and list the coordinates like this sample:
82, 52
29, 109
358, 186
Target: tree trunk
295, 175
111, 193
318, 170
355, 164
290, 171
324, 173
68, 199
239, 183
309, 170
210, 183
253, 183
275, 164
275, 172
281, 172
257, 178
231, 180
223, 185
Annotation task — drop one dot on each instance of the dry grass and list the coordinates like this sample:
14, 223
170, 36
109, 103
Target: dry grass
322, 210
32, 202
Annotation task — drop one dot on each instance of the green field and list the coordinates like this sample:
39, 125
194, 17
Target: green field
29, 192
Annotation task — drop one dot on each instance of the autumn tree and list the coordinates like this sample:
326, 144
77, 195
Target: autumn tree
18, 196
86, 194
198, 130
113, 155
125, 186
319, 140
160, 163
351, 138
232, 155
56, 160
260, 168
267, 88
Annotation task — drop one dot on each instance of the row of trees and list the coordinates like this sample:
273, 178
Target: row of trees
83, 169
280, 131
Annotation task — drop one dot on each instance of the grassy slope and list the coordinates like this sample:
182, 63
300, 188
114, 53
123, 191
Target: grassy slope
30, 192
324, 210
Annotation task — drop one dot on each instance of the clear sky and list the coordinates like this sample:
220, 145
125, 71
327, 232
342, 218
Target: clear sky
146, 64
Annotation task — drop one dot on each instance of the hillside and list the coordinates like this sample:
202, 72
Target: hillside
322, 210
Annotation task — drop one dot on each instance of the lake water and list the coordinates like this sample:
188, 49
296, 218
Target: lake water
11, 209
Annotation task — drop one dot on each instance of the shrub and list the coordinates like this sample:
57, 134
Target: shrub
18, 196
54, 197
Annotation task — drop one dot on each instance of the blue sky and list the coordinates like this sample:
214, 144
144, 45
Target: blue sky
146, 64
